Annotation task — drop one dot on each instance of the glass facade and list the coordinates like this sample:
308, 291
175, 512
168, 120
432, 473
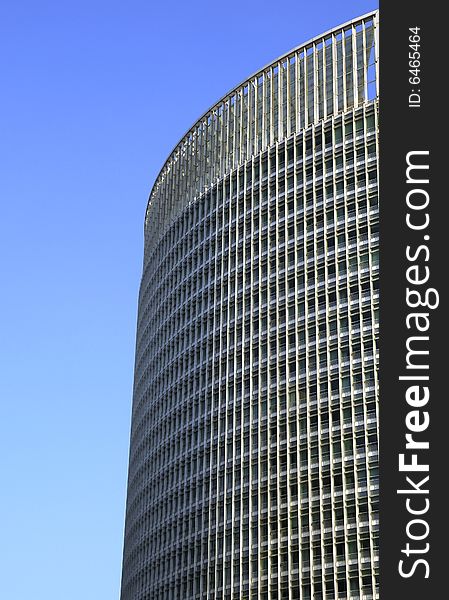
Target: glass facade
253, 470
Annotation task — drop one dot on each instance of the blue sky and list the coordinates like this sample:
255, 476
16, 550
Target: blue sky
95, 94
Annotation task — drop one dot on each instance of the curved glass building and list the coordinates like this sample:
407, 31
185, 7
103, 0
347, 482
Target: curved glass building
253, 460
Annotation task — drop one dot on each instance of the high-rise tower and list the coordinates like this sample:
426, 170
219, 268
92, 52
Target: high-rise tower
254, 454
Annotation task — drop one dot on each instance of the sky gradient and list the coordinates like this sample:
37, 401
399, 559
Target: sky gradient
95, 95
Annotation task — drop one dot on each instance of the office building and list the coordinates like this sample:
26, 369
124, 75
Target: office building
253, 470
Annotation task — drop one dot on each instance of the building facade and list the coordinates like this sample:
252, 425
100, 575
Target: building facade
253, 470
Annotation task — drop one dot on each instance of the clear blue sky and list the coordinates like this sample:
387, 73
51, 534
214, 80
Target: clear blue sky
94, 95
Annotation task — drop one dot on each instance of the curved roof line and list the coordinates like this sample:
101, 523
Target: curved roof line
248, 79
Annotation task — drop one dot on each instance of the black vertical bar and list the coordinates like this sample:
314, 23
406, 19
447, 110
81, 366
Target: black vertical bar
413, 119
